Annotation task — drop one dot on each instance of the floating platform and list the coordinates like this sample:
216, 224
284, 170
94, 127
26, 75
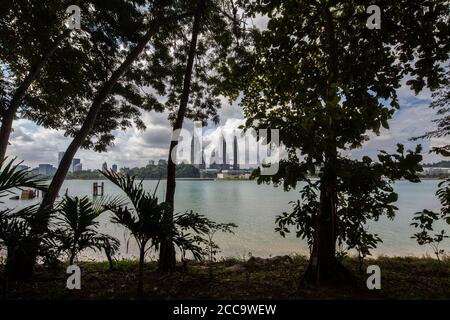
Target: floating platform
28, 194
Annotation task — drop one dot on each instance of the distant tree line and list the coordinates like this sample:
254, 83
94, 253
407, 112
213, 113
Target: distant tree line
156, 171
150, 171
440, 164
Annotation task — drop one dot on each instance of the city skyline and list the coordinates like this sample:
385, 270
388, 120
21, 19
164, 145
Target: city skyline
134, 148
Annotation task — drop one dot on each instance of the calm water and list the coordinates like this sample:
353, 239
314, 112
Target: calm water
254, 208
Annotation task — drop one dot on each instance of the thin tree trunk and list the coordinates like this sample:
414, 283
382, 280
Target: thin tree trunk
28, 259
140, 287
72, 257
10, 113
109, 257
167, 258
88, 124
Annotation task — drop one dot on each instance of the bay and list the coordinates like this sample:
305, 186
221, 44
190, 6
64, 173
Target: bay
254, 209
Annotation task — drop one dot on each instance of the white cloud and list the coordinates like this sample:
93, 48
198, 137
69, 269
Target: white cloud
35, 144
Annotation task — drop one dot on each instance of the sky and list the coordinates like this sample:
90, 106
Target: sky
133, 148
34, 144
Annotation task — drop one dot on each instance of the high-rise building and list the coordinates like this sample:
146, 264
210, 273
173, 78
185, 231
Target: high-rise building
203, 165
235, 154
75, 162
114, 168
60, 156
78, 167
46, 169
104, 166
192, 150
224, 151
196, 150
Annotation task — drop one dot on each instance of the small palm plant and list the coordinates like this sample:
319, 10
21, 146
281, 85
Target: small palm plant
77, 227
15, 225
145, 219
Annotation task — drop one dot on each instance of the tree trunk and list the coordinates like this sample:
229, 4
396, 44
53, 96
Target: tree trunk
72, 255
17, 262
167, 258
9, 114
323, 268
109, 257
323, 265
63, 168
140, 286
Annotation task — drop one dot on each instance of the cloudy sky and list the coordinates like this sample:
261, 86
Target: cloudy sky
35, 145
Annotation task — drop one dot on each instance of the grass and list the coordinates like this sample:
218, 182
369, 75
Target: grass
402, 278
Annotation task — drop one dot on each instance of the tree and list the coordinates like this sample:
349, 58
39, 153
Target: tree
212, 249
326, 80
58, 69
194, 82
122, 79
145, 219
425, 219
26, 51
77, 229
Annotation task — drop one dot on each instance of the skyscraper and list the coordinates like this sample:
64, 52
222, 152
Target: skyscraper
235, 154
78, 167
203, 165
75, 162
60, 156
224, 151
46, 169
114, 168
104, 166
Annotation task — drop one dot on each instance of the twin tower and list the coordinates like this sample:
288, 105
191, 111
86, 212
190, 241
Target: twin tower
214, 163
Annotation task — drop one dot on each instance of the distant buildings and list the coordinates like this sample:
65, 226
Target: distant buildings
60, 156
78, 167
76, 163
46, 169
234, 174
22, 167
436, 171
223, 163
114, 168
208, 173
104, 166
235, 154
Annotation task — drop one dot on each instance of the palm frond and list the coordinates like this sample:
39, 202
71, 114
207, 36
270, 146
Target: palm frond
11, 178
77, 226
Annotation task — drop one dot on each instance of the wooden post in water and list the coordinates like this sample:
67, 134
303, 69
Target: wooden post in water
96, 186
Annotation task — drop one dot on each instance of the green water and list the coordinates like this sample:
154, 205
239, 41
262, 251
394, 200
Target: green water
254, 208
